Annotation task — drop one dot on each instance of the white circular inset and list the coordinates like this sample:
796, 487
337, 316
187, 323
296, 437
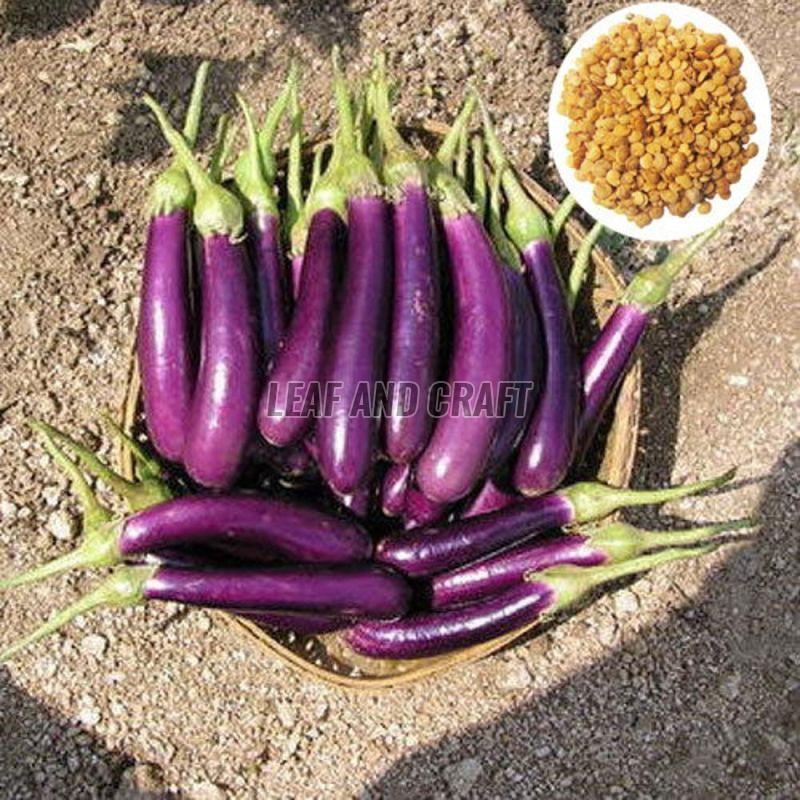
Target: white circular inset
668, 227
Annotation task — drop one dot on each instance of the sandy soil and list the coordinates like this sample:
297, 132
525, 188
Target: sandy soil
685, 683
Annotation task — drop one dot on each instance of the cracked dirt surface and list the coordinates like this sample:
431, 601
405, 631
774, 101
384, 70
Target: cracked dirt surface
685, 683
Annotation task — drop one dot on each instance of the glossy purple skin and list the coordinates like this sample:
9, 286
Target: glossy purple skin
547, 451
527, 362
414, 339
223, 408
427, 551
420, 510
304, 623
495, 574
164, 341
457, 455
264, 245
490, 498
300, 361
276, 526
605, 365
434, 632
297, 273
359, 501
348, 591
393, 489
346, 441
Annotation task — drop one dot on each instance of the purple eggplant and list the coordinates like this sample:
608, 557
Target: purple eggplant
164, 345
255, 184
346, 435
548, 448
457, 454
527, 359
427, 551
609, 544
285, 412
420, 510
612, 352
224, 403
541, 595
414, 339
394, 487
240, 524
357, 591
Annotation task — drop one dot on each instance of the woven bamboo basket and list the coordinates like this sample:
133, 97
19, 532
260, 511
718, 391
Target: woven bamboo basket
325, 657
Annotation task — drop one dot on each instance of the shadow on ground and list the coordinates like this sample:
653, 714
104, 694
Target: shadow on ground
646, 719
44, 753
23, 19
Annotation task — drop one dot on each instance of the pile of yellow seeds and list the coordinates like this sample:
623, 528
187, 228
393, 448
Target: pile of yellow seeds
658, 118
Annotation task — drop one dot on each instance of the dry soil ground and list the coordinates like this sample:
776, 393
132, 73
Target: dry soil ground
683, 684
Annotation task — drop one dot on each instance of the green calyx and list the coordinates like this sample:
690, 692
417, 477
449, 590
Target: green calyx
580, 266
480, 191
172, 190
101, 531
216, 210
525, 222
621, 541
257, 192
349, 172
401, 164
650, 286
571, 583
123, 588
592, 501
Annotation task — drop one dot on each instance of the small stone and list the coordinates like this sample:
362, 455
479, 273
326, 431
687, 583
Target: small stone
321, 709
51, 495
461, 776
141, 780
738, 381
515, 677
203, 623
89, 716
625, 602
94, 645
286, 715
61, 526
542, 752
730, 684
8, 510
93, 180
205, 790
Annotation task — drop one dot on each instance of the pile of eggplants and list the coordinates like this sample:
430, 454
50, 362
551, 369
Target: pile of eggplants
294, 330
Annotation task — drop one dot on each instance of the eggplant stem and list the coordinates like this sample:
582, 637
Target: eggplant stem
266, 136
571, 583
447, 150
147, 467
76, 559
479, 191
250, 173
194, 112
525, 221
652, 539
592, 501
344, 107
124, 587
650, 286
92, 508
504, 246
221, 148
577, 275
561, 215
294, 176
462, 156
